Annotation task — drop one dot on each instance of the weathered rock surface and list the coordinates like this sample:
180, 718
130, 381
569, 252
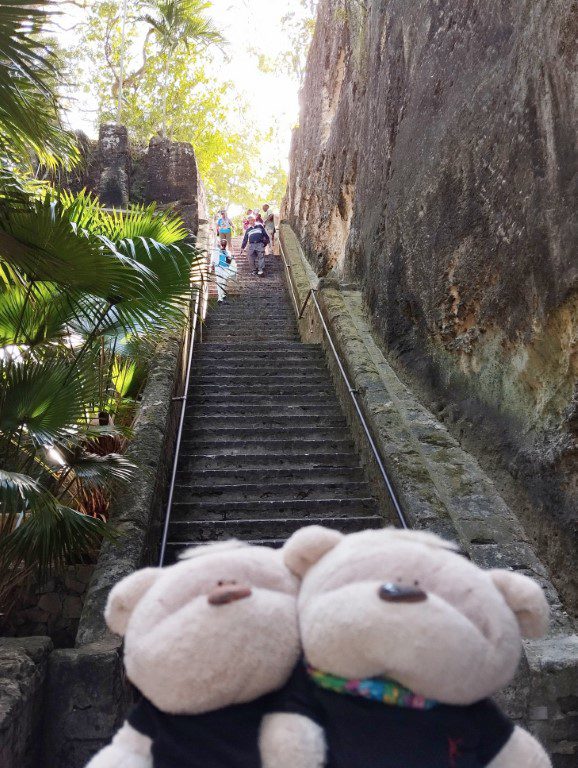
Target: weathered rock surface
173, 176
114, 159
435, 164
23, 665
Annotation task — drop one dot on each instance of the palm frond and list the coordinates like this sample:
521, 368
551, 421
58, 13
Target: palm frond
50, 535
41, 398
28, 69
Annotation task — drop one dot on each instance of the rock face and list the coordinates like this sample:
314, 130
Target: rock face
114, 160
435, 164
173, 175
118, 173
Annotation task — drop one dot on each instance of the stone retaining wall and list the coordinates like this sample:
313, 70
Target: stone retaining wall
23, 667
442, 488
52, 608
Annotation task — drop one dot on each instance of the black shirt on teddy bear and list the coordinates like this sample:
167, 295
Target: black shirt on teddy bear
362, 733
226, 738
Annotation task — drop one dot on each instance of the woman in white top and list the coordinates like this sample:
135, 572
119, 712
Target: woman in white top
225, 267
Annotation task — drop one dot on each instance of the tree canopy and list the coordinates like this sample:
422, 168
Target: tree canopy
169, 85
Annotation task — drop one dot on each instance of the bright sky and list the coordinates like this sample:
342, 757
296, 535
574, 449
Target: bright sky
256, 24
270, 98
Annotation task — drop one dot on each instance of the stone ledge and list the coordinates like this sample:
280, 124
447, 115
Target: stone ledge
442, 488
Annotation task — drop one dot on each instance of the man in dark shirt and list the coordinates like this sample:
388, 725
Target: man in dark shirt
365, 733
256, 239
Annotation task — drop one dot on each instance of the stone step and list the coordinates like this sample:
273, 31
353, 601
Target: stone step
260, 348
294, 491
204, 421
224, 407
248, 434
273, 444
270, 322
260, 367
219, 530
210, 399
245, 377
304, 461
269, 475
280, 389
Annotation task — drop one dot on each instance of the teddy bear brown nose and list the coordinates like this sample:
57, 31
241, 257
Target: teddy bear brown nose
395, 593
224, 594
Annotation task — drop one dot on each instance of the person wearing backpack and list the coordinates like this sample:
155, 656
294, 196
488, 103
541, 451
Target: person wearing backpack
225, 267
256, 240
269, 221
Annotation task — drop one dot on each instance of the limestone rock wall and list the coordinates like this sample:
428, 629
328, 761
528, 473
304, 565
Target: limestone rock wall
435, 165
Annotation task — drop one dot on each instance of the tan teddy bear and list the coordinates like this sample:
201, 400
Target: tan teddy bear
205, 641
404, 641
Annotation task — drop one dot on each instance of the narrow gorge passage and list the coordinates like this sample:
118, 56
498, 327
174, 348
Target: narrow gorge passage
266, 448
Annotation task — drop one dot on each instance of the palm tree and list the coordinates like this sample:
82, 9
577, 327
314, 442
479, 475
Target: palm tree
180, 24
80, 288
29, 119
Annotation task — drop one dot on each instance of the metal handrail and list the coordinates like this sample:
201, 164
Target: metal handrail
198, 315
352, 392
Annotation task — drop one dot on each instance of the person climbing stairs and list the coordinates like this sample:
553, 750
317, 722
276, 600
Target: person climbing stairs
266, 448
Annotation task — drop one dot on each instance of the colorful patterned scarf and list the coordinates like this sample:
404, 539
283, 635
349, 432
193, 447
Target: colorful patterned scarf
374, 688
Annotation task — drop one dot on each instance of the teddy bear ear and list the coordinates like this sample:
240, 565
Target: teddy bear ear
308, 545
124, 597
526, 598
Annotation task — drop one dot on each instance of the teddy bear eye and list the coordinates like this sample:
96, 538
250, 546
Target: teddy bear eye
220, 583
416, 583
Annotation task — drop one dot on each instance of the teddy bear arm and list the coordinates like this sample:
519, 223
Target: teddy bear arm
129, 749
291, 741
521, 749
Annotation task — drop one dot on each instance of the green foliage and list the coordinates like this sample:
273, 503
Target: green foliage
29, 119
299, 27
189, 102
66, 370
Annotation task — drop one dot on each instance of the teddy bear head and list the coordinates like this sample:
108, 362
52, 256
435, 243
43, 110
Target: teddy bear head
217, 628
407, 607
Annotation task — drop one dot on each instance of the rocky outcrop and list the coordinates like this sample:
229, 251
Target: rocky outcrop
120, 173
435, 165
114, 160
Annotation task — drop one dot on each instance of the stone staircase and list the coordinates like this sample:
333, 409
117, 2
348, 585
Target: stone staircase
266, 448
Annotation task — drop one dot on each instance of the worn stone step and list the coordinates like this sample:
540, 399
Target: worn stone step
308, 461
316, 376
226, 434
224, 407
282, 390
258, 348
307, 400
184, 511
215, 530
295, 491
271, 445
271, 321
204, 421
264, 364
269, 475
